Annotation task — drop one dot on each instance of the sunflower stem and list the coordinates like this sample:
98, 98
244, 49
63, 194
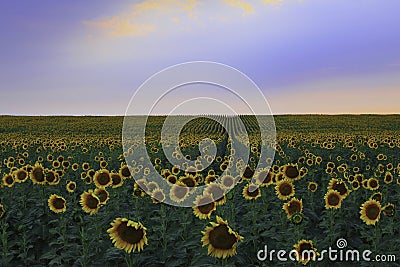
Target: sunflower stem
64, 231
163, 229
84, 246
376, 238
4, 239
331, 224
254, 219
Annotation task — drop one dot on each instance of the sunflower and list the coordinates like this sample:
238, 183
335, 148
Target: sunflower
388, 178
248, 173
125, 172
265, 177
2, 211
37, 174
355, 185
377, 196
178, 192
305, 251
85, 166
228, 181
75, 166
312, 186
297, 217
387, 210
204, 206
57, 203
175, 170
373, 184
172, 179
90, 202
88, 180
291, 172
127, 235
51, 177
210, 178
56, 164
217, 192
221, 239
20, 175
251, 191
8, 180
71, 186
116, 179
284, 189
340, 186
102, 194
333, 200
189, 181
102, 178
370, 211
152, 186
293, 206
157, 196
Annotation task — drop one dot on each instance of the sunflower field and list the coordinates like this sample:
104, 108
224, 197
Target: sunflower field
68, 196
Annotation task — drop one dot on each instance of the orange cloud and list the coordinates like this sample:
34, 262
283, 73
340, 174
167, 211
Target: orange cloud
247, 8
121, 26
134, 20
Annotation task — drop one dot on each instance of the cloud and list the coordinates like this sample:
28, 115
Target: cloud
272, 1
247, 8
138, 19
121, 26
142, 18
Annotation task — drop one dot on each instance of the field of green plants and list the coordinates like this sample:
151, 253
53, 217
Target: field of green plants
68, 197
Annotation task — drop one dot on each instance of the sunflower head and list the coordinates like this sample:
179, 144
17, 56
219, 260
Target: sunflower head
370, 211
8, 180
127, 235
125, 172
116, 179
305, 251
90, 202
291, 172
373, 184
340, 186
377, 196
297, 218
228, 181
102, 178
312, 186
251, 191
388, 210
220, 239
204, 206
71, 186
51, 177
388, 179
217, 192
20, 175
102, 194
284, 189
178, 192
37, 174
57, 203
157, 195
333, 200
293, 206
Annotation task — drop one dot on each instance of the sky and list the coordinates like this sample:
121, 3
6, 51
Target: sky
306, 56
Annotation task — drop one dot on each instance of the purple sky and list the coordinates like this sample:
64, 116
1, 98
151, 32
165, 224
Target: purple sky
309, 56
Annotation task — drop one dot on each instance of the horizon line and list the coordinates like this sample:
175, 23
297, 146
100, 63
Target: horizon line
162, 115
